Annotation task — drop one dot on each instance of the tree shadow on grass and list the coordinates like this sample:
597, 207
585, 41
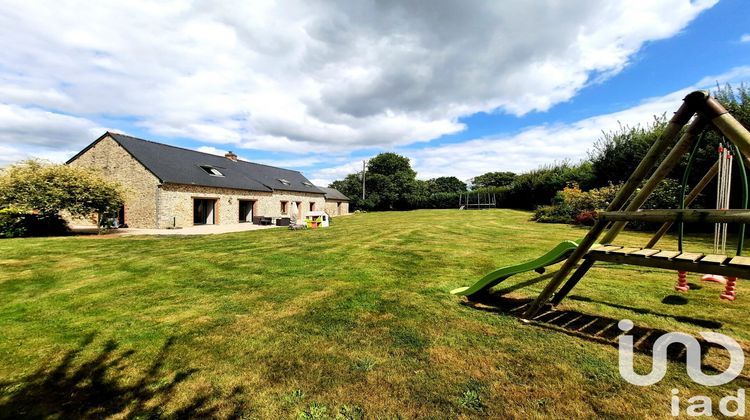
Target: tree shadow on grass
97, 388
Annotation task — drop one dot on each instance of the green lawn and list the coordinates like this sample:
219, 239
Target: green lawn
347, 321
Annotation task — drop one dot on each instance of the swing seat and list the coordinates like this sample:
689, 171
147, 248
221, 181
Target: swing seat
693, 262
714, 278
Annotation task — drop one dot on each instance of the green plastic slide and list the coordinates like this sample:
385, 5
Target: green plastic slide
554, 256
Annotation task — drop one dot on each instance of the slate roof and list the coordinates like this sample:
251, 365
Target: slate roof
333, 194
183, 166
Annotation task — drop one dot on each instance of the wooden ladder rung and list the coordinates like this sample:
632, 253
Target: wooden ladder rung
625, 251
646, 252
714, 258
743, 261
605, 249
666, 254
689, 256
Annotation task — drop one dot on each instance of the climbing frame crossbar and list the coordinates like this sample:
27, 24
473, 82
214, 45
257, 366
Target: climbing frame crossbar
687, 216
694, 262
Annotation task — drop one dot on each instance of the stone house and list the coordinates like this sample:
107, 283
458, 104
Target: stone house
170, 186
337, 204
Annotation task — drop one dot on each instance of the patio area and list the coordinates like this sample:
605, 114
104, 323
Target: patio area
192, 230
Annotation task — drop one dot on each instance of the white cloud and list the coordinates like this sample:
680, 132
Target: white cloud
31, 132
735, 75
325, 176
745, 38
545, 144
537, 145
304, 76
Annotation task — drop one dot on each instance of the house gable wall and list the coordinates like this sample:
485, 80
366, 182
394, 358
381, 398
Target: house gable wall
332, 208
141, 186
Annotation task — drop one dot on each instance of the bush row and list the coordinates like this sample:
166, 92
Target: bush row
573, 205
16, 223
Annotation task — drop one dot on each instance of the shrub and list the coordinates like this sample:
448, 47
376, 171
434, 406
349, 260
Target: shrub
665, 196
540, 186
573, 205
33, 193
12, 223
591, 200
556, 213
587, 218
16, 222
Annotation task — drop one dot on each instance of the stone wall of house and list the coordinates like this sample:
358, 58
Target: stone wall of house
337, 208
272, 208
176, 203
149, 204
141, 186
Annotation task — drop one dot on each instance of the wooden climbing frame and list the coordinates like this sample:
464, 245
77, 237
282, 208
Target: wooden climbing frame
701, 111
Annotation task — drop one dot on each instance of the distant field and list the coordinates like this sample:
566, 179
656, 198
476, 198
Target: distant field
348, 321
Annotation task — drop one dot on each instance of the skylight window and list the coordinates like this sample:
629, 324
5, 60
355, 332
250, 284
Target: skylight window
309, 184
284, 181
211, 170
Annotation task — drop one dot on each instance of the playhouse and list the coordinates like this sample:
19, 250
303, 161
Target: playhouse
316, 219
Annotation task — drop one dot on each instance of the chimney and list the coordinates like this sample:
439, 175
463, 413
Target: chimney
231, 156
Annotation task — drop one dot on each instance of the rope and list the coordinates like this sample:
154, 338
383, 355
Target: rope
685, 175
743, 178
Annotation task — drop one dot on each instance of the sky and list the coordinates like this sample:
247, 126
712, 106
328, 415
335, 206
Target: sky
459, 87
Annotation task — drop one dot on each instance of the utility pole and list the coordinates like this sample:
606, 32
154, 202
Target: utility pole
363, 178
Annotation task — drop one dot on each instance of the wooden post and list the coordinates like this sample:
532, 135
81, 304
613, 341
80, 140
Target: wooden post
669, 163
572, 282
694, 193
666, 166
680, 118
729, 126
711, 109
687, 216
364, 169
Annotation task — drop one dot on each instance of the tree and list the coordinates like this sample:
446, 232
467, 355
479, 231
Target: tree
390, 184
35, 187
617, 153
390, 164
539, 186
445, 184
418, 195
493, 179
350, 186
